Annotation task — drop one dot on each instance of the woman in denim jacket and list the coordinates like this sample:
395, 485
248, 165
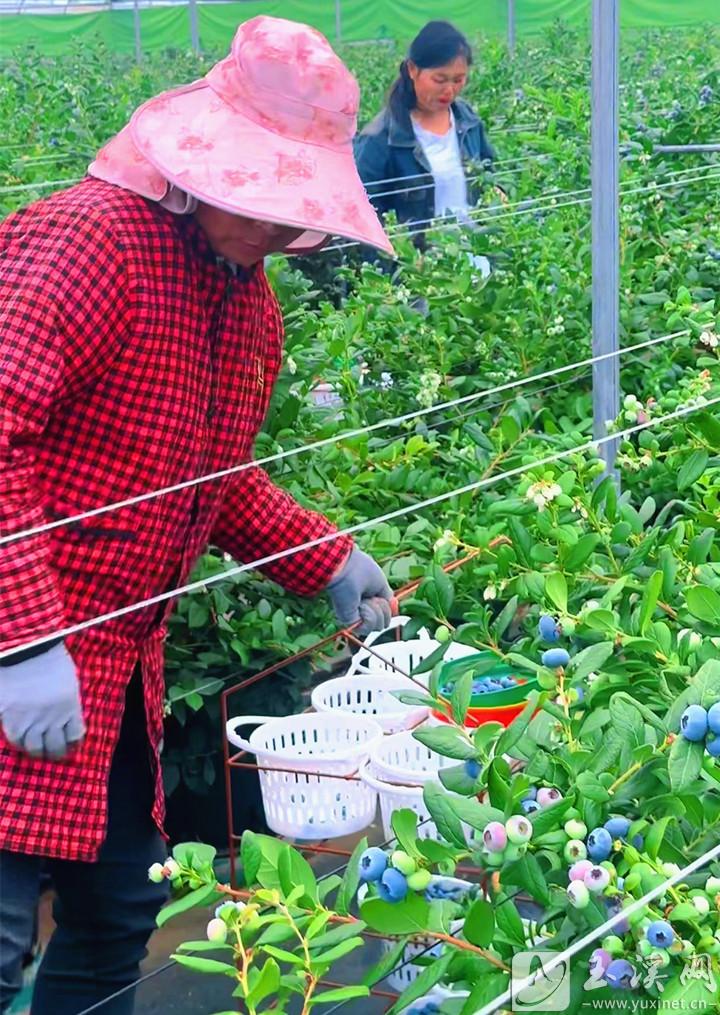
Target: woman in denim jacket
421, 156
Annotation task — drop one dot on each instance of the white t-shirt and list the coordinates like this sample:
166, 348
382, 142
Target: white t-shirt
443, 153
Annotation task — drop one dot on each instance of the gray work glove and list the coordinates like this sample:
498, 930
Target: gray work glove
360, 591
40, 707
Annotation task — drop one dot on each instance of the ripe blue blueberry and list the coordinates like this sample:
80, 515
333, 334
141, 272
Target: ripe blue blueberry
472, 769
373, 863
393, 886
694, 723
617, 827
638, 841
660, 934
555, 657
712, 746
599, 844
714, 718
620, 974
530, 806
548, 629
530, 794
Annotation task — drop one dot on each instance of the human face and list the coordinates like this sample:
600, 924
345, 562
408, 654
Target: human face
243, 241
436, 88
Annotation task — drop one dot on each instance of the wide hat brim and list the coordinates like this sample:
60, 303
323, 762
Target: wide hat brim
203, 146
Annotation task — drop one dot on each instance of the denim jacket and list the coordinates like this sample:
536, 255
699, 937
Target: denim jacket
387, 149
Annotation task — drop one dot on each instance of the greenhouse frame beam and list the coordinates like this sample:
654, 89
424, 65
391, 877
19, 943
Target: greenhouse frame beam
605, 220
136, 28
338, 21
194, 27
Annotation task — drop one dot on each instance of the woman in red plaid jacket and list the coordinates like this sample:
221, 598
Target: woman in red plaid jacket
139, 344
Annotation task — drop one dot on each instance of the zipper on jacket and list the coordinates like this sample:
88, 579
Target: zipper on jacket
213, 347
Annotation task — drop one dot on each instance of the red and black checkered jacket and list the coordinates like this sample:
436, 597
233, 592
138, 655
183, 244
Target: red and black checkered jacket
130, 360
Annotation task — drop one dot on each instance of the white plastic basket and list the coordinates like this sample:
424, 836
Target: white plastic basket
393, 798
303, 803
402, 759
401, 657
370, 694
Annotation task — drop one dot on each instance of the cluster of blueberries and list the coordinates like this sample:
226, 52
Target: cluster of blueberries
504, 842
539, 799
484, 685
426, 1007
591, 871
698, 723
551, 632
396, 873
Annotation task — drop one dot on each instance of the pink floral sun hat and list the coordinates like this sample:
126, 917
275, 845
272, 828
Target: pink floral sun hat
267, 134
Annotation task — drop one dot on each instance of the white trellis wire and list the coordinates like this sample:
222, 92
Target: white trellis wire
369, 523
382, 424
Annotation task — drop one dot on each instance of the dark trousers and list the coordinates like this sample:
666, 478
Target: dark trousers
104, 911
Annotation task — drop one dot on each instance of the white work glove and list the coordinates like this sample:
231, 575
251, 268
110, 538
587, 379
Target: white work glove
40, 709
360, 592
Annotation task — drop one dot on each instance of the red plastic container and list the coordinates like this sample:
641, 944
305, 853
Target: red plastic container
479, 716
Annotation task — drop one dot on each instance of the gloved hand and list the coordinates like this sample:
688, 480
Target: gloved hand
360, 591
40, 708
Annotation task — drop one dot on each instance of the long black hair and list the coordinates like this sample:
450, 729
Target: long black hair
437, 44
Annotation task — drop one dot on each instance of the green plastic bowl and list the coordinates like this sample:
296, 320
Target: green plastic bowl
485, 664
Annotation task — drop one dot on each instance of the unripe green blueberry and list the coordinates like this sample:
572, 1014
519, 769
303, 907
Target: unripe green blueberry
670, 869
712, 886
403, 863
575, 850
578, 895
217, 931
156, 873
660, 958
568, 626
644, 947
514, 851
688, 949
494, 859
419, 881
172, 868
519, 829
576, 830
442, 634
547, 681
613, 944
701, 904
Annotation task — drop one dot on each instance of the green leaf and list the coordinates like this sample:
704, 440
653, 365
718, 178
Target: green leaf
684, 763
471, 812
556, 590
440, 805
505, 618
387, 963
578, 554
461, 696
709, 427
518, 727
293, 871
655, 836
404, 824
508, 920
590, 660
700, 547
200, 897
488, 987
707, 683
338, 994
703, 603
250, 857
339, 951
194, 854
200, 965
410, 916
351, 880
650, 599
692, 469
432, 660
447, 741
527, 873
268, 982
337, 935
427, 979
479, 926
283, 956
203, 946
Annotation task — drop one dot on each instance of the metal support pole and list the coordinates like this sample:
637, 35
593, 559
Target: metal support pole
136, 25
605, 219
511, 26
338, 22
194, 30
